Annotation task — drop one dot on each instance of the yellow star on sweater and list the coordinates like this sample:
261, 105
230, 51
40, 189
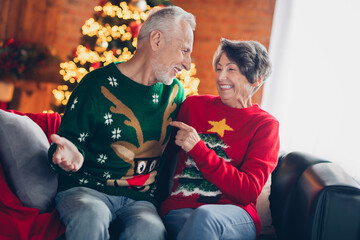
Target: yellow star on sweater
220, 127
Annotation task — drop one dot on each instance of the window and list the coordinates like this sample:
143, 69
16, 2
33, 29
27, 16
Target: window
314, 90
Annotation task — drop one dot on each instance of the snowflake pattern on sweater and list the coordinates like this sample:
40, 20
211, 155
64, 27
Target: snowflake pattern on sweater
121, 138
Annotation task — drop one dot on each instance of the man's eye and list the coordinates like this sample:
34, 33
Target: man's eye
218, 69
186, 51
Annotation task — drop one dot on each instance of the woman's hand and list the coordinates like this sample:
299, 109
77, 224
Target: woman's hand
67, 156
186, 137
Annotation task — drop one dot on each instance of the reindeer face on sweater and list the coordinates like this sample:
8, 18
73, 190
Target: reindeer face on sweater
144, 159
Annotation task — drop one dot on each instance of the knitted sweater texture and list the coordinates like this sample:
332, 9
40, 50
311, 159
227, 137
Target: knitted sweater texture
122, 128
233, 160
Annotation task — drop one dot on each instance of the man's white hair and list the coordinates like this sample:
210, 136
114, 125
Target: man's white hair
166, 20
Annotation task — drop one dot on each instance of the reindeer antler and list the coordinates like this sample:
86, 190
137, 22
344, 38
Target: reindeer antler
123, 109
169, 109
127, 151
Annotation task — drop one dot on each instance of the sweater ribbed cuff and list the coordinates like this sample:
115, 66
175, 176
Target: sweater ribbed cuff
199, 153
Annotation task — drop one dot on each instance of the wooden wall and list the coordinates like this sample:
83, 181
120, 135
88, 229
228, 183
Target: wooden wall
43, 22
35, 20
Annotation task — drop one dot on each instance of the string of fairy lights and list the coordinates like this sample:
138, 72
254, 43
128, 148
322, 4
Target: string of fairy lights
73, 73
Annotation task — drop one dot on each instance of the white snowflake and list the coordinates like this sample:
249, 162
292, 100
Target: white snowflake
108, 118
107, 175
102, 158
82, 137
83, 181
113, 81
116, 133
155, 98
73, 104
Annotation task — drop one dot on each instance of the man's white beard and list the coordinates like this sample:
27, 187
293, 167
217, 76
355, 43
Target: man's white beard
162, 73
165, 80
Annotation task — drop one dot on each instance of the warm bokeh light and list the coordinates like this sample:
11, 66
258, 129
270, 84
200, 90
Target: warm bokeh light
86, 60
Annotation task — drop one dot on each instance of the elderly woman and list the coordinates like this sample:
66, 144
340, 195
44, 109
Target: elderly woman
229, 148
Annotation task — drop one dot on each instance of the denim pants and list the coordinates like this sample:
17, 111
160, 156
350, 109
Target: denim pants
87, 214
210, 222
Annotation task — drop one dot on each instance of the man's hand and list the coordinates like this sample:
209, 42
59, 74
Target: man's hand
186, 137
67, 156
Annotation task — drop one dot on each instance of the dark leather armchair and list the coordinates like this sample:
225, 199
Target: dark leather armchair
314, 199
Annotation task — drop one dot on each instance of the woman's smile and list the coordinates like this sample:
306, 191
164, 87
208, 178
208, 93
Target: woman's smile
225, 87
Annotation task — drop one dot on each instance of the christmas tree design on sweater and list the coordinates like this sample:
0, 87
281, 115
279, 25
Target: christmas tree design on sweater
191, 181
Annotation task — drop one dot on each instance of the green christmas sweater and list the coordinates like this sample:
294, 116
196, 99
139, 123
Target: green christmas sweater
122, 128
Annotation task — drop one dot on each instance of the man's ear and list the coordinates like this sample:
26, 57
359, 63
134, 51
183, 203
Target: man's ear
156, 39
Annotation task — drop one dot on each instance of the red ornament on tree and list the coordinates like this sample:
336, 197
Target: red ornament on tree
74, 52
102, 2
134, 28
96, 65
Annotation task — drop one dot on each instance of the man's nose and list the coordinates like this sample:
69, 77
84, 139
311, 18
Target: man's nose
187, 62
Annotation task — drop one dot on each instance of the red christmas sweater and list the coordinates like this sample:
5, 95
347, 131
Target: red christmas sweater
231, 163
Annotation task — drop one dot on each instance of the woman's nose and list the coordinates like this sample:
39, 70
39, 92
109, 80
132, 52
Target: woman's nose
222, 75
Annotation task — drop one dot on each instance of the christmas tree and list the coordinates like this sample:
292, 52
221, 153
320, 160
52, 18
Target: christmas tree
111, 36
191, 181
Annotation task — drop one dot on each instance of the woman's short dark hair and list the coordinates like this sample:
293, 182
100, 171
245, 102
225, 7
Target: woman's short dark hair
251, 57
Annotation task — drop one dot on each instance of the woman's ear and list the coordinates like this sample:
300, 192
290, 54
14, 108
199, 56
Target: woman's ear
156, 39
258, 82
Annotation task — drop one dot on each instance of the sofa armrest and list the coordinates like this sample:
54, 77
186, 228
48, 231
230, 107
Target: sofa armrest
323, 202
284, 177
325, 205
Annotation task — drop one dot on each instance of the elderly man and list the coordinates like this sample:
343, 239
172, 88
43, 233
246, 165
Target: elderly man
114, 131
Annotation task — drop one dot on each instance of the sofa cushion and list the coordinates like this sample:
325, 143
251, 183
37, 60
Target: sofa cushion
23, 156
263, 209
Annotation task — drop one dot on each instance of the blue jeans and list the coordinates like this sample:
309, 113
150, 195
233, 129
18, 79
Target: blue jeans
87, 214
210, 222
